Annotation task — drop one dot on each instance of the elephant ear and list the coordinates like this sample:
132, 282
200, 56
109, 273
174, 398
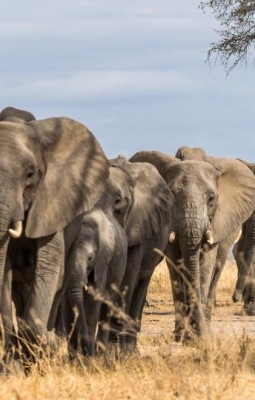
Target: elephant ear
164, 163
75, 176
249, 165
152, 207
191, 153
106, 234
236, 196
12, 114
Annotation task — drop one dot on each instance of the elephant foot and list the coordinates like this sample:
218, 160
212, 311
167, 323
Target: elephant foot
237, 296
191, 332
84, 346
128, 344
184, 337
180, 333
249, 308
208, 314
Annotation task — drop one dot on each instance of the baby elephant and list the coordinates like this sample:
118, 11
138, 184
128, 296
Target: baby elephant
100, 262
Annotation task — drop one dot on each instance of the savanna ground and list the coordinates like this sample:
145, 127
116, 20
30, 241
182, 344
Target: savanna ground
222, 368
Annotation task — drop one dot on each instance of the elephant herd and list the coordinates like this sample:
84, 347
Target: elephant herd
81, 235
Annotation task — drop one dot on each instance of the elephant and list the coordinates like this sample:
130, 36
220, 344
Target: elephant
13, 114
244, 249
51, 172
139, 198
100, 262
244, 253
205, 214
224, 247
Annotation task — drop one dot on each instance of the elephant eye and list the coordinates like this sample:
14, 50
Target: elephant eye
211, 199
30, 171
30, 174
118, 200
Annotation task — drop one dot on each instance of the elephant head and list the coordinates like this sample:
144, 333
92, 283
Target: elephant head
118, 197
50, 172
95, 246
145, 200
212, 199
12, 114
189, 153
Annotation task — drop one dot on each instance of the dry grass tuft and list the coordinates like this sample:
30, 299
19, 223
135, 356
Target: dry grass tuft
222, 367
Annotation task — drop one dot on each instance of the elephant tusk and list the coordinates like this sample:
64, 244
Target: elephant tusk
209, 236
172, 236
17, 231
239, 235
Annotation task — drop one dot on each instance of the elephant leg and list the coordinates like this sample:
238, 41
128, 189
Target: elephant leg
249, 293
104, 327
179, 290
6, 309
245, 255
63, 321
218, 268
221, 258
125, 326
49, 274
62, 286
136, 307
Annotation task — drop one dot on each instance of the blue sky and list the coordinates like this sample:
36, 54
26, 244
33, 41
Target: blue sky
132, 71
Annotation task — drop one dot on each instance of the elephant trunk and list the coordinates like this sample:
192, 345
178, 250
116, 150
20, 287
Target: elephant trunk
190, 234
76, 298
4, 241
9, 212
245, 264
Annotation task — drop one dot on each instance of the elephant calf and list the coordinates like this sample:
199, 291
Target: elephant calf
100, 262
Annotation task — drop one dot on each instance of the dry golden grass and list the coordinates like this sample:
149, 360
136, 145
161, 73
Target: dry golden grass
222, 368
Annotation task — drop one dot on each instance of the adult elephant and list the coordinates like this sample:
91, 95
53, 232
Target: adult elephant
219, 258
140, 199
244, 248
13, 114
212, 199
244, 253
51, 171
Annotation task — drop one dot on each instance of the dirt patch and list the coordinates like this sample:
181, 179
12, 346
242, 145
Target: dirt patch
158, 316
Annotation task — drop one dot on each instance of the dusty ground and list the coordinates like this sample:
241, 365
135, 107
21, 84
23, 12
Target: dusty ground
158, 318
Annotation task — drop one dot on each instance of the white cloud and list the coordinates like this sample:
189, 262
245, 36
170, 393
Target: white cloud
101, 85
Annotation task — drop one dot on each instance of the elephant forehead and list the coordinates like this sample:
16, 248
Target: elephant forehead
104, 227
197, 170
119, 175
15, 144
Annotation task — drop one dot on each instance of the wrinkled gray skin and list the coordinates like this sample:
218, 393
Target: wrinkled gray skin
244, 253
204, 215
100, 262
39, 162
139, 198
